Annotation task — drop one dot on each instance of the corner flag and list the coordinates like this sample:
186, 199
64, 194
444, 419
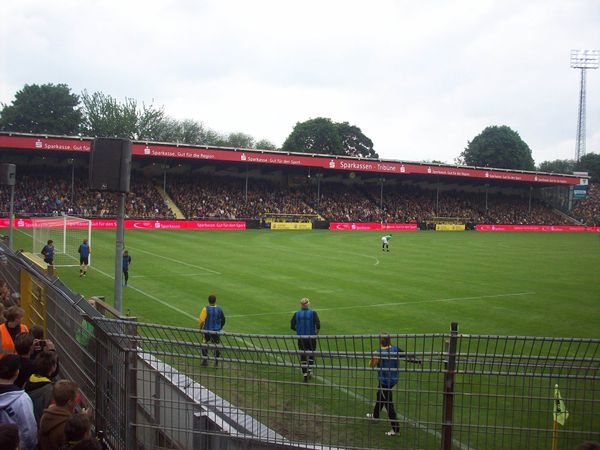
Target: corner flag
560, 412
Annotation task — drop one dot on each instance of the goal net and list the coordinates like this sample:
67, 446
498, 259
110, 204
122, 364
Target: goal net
67, 232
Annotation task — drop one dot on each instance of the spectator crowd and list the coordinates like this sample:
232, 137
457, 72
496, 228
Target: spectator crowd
38, 409
228, 197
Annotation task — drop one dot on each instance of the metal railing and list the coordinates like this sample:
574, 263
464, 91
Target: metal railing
150, 387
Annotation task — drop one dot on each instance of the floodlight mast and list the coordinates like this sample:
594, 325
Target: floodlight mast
583, 60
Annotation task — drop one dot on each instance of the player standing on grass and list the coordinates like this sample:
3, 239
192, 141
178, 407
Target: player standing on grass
212, 321
307, 325
84, 257
126, 262
385, 242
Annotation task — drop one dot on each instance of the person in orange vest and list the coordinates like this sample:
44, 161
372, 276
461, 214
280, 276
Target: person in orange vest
10, 329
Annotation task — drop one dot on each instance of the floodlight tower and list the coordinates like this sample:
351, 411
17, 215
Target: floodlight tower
584, 60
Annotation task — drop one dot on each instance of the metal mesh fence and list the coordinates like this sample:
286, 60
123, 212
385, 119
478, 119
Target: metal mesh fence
150, 385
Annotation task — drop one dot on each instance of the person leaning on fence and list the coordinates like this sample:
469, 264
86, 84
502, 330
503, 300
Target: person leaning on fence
212, 320
306, 324
52, 424
10, 329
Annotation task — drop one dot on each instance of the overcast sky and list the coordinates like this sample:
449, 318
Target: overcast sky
420, 78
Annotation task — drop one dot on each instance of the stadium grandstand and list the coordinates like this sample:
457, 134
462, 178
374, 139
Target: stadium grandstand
171, 181
153, 384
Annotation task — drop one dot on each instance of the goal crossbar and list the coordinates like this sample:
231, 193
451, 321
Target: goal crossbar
67, 234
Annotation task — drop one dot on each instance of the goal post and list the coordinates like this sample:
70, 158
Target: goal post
67, 232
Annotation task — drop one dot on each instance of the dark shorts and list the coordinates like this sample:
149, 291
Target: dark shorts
49, 260
309, 344
84, 260
212, 338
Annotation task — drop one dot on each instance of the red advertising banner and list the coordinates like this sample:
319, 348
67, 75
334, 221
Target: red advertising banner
141, 224
374, 226
571, 228
283, 158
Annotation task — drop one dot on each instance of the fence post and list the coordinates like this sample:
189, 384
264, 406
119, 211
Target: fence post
130, 328
449, 388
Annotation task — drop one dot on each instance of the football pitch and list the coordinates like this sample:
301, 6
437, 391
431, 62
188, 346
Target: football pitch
528, 284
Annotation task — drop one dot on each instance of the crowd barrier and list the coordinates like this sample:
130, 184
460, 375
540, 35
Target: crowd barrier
148, 387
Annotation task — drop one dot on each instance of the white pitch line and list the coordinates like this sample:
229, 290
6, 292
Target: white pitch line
176, 261
451, 299
168, 276
150, 296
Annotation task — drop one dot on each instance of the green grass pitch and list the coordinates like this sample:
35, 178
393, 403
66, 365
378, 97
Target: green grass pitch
536, 284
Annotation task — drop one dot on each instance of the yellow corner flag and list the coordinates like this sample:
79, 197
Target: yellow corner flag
560, 412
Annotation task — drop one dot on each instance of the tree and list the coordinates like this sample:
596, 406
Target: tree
265, 144
239, 140
590, 163
107, 117
322, 135
558, 166
498, 146
46, 108
355, 143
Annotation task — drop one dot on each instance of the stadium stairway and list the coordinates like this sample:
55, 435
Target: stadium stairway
170, 203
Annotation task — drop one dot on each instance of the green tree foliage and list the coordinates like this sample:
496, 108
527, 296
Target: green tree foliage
557, 166
322, 135
354, 142
498, 146
265, 144
46, 108
590, 163
239, 140
108, 117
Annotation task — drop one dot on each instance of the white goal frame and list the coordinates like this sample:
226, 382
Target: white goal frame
67, 232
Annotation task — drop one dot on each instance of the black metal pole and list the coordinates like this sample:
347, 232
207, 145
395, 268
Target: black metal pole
11, 217
449, 388
119, 254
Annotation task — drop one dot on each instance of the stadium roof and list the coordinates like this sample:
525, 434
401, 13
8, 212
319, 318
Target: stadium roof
76, 144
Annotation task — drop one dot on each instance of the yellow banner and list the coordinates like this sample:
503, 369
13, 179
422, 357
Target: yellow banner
450, 227
291, 225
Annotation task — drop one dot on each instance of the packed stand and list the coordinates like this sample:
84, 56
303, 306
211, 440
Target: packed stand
587, 210
225, 198
49, 192
341, 203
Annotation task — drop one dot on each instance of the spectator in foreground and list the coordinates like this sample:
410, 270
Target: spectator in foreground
10, 329
77, 428
307, 325
9, 436
52, 424
39, 385
24, 348
15, 405
87, 444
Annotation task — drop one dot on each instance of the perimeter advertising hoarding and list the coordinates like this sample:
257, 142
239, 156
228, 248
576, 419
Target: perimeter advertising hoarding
535, 228
283, 158
291, 226
146, 224
372, 226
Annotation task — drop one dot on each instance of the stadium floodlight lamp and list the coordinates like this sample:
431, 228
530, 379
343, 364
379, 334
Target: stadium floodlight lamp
584, 59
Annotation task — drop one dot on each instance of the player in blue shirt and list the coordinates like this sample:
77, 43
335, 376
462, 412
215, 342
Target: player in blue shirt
84, 257
211, 320
307, 325
48, 252
126, 262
